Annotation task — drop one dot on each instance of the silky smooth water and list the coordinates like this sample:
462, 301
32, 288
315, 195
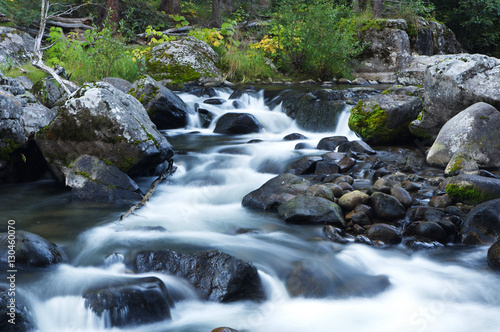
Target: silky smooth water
450, 289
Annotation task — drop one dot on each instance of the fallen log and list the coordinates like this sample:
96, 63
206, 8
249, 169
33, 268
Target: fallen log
169, 171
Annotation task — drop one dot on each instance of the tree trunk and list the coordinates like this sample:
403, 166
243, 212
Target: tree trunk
228, 6
170, 7
216, 18
378, 8
113, 6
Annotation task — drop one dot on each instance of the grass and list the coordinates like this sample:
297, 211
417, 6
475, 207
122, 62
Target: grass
34, 74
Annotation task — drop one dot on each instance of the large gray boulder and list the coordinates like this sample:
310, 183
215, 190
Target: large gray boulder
482, 225
275, 192
15, 46
92, 180
47, 92
216, 276
453, 83
165, 109
385, 118
101, 121
183, 60
474, 131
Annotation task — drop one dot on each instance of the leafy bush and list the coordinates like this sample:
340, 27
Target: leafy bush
318, 40
101, 53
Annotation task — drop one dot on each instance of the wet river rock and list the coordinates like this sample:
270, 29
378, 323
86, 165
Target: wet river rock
237, 124
275, 192
482, 225
18, 311
307, 210
216, 276
131, 302
494, 256
31, 250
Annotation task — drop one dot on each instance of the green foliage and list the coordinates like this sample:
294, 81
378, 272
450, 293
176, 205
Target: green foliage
318, 40
408, 9
102, 53
22, 12
137, 15
476, 24
217, 37
246, 65
34, 74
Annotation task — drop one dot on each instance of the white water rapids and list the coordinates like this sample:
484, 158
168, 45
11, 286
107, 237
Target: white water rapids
450, 289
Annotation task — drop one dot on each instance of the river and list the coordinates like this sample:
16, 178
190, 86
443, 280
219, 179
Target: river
447, 289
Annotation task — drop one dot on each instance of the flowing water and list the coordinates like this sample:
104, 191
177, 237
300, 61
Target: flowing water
449, 289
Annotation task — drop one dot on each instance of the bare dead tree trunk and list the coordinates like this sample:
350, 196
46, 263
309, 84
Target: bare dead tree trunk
37, 52
170, 7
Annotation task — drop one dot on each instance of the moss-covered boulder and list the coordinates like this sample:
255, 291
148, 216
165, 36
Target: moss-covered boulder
473, 131
165, 108
15, 46
472, 189
186, 59
385, 118
12, 134
101, 121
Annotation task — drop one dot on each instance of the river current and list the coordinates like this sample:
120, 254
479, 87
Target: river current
447, 289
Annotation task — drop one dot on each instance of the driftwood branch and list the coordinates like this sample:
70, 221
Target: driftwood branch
37, 52
169, 171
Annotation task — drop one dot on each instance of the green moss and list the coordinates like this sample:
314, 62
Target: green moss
369, 125
9, 146
84, 174
456, 166
466, 194
377, 24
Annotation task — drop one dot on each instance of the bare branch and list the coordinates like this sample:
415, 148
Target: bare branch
68, 11
37, 52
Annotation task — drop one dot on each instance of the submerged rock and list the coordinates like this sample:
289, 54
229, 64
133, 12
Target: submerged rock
91, 179
237, 124
482, 225
474, 131
131, 302
31, 250
312, 282
16, 312
101, 121
216, 276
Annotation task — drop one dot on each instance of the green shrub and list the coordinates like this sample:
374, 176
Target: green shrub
101, 53
318, 40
